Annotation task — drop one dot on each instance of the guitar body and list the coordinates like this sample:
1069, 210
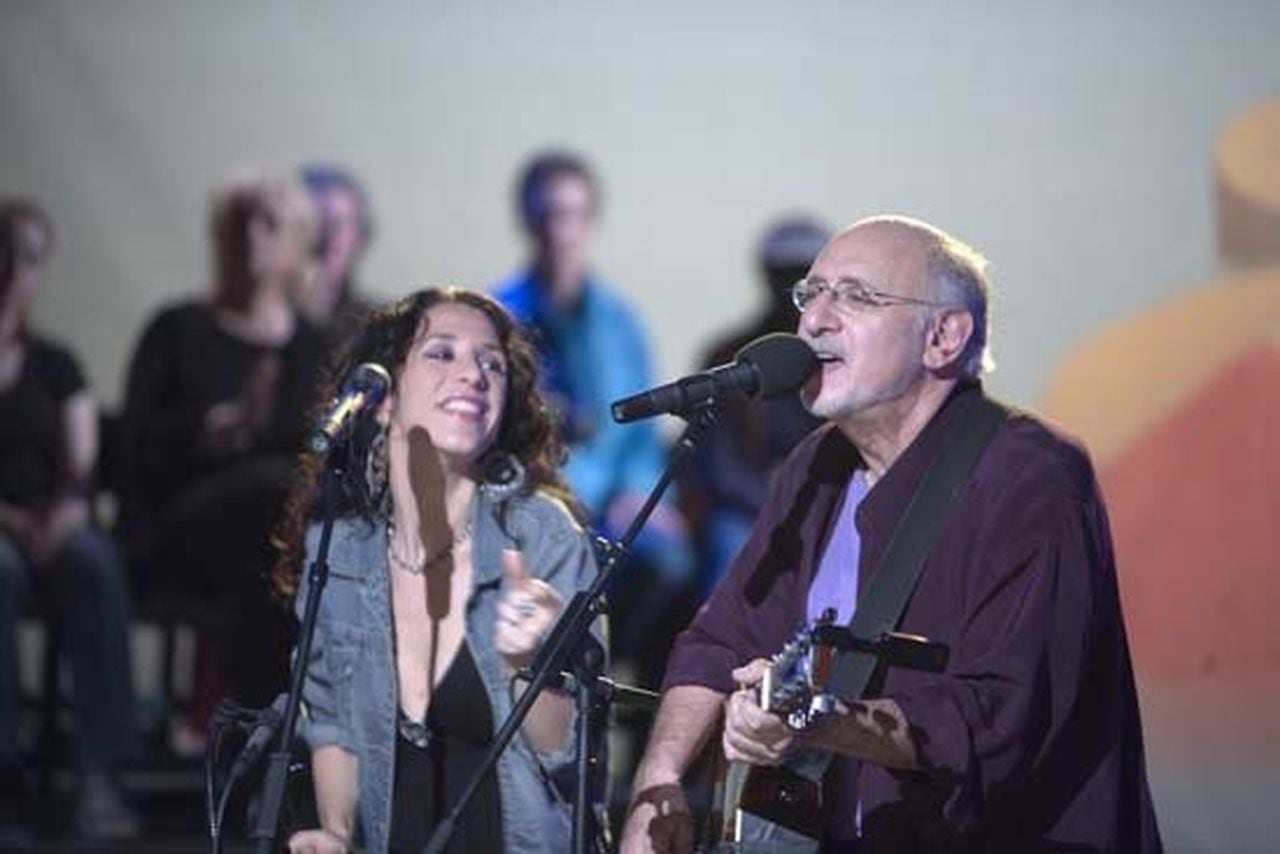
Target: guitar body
776, 810
764, 809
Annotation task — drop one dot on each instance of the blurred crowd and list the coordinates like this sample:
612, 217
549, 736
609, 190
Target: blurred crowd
220, 392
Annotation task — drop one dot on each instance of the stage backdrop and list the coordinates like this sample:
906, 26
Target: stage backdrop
1073, 143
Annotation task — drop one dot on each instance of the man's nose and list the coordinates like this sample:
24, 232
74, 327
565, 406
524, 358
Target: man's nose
819, 316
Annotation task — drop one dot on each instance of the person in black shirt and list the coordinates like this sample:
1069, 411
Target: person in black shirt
725, 488
48, 544
216, 408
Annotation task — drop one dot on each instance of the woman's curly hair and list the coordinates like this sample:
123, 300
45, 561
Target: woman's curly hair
527, 429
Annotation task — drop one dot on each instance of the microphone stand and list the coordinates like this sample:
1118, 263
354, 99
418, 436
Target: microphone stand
570, 646
267, 826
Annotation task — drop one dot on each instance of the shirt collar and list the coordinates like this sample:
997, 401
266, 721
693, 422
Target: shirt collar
543, 305
887, 500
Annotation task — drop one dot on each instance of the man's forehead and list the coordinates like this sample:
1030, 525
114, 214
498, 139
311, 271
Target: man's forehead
871, 250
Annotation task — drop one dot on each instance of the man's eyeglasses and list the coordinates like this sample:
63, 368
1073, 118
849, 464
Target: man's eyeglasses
850, 293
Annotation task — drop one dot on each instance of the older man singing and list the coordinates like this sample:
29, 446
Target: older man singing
1030, 739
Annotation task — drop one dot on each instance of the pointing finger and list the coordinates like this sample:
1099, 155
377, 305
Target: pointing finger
513, 566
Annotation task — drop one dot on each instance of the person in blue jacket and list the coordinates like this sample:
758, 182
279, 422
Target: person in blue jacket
593, 351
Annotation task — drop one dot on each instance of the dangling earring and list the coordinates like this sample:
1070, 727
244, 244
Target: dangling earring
376, 471
502, 475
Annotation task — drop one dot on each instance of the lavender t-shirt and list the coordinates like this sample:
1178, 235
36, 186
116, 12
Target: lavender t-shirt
836, 583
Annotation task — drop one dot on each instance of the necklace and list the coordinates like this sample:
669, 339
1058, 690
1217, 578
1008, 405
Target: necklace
419, 566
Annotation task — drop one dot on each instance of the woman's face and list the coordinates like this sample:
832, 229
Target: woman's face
276, 253
453, 383
30, 256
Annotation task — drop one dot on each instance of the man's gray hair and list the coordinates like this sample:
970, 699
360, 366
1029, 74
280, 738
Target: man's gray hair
958, 274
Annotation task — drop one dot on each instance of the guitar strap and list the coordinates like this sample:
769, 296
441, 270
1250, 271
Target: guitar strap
891, 587
913, 538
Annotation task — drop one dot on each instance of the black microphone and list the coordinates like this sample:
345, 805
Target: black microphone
769, 366
364, 388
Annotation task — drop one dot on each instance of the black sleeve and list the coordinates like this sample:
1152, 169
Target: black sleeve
306, 360
158, 436
58, 370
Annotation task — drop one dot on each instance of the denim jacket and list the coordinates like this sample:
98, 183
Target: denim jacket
350, 698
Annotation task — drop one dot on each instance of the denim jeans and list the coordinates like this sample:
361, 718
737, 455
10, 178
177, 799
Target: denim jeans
84, 591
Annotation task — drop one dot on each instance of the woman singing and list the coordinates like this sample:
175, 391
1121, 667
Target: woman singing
453, 554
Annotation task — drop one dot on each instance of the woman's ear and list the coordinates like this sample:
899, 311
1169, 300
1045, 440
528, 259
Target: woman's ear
383, 414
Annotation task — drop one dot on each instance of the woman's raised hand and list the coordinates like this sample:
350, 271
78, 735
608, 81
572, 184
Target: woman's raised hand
527, 610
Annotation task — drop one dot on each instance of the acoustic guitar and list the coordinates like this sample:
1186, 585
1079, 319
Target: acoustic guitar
778, 809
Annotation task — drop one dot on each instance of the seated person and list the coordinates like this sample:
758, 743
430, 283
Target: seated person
727, 484
216, 408
332, 301
593, 352
48, 543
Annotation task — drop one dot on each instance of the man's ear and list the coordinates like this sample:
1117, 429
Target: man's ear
949, 333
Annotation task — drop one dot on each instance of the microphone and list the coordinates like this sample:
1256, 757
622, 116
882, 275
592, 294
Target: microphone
769, 366
268, 723
364, 388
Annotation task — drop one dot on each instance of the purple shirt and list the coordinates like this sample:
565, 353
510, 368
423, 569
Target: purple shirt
1031, 739
836, 583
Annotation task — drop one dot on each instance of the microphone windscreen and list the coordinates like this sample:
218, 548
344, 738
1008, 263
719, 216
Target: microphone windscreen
369, 378
782, 361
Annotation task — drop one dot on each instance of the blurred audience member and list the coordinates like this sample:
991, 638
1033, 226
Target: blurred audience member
332, 301
727, 485
216, 409
48, 543
593, 351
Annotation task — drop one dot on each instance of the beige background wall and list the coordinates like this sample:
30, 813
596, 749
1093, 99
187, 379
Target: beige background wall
1071, 142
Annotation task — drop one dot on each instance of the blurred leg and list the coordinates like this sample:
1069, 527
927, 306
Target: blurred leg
13, 595
91, 594
88, 585
221, 533
14, 803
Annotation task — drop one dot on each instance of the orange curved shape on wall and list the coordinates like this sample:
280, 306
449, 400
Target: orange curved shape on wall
1126, 379
1180, 407
1195, 506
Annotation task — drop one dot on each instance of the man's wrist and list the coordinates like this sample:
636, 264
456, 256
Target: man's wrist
649, 776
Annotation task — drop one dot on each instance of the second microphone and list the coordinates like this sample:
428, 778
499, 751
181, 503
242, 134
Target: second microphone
770, 366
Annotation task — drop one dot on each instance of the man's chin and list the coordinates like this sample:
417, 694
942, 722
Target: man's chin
820, 409
836, 410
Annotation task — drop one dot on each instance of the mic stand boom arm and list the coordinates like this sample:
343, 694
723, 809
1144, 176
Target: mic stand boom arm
563, 646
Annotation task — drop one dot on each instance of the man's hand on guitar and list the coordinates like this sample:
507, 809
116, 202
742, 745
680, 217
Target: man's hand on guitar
751, 734
660, 822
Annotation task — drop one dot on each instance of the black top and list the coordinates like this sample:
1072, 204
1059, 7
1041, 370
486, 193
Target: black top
32, 441
429, 778
186, 363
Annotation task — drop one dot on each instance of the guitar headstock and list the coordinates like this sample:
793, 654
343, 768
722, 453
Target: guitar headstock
798, 673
